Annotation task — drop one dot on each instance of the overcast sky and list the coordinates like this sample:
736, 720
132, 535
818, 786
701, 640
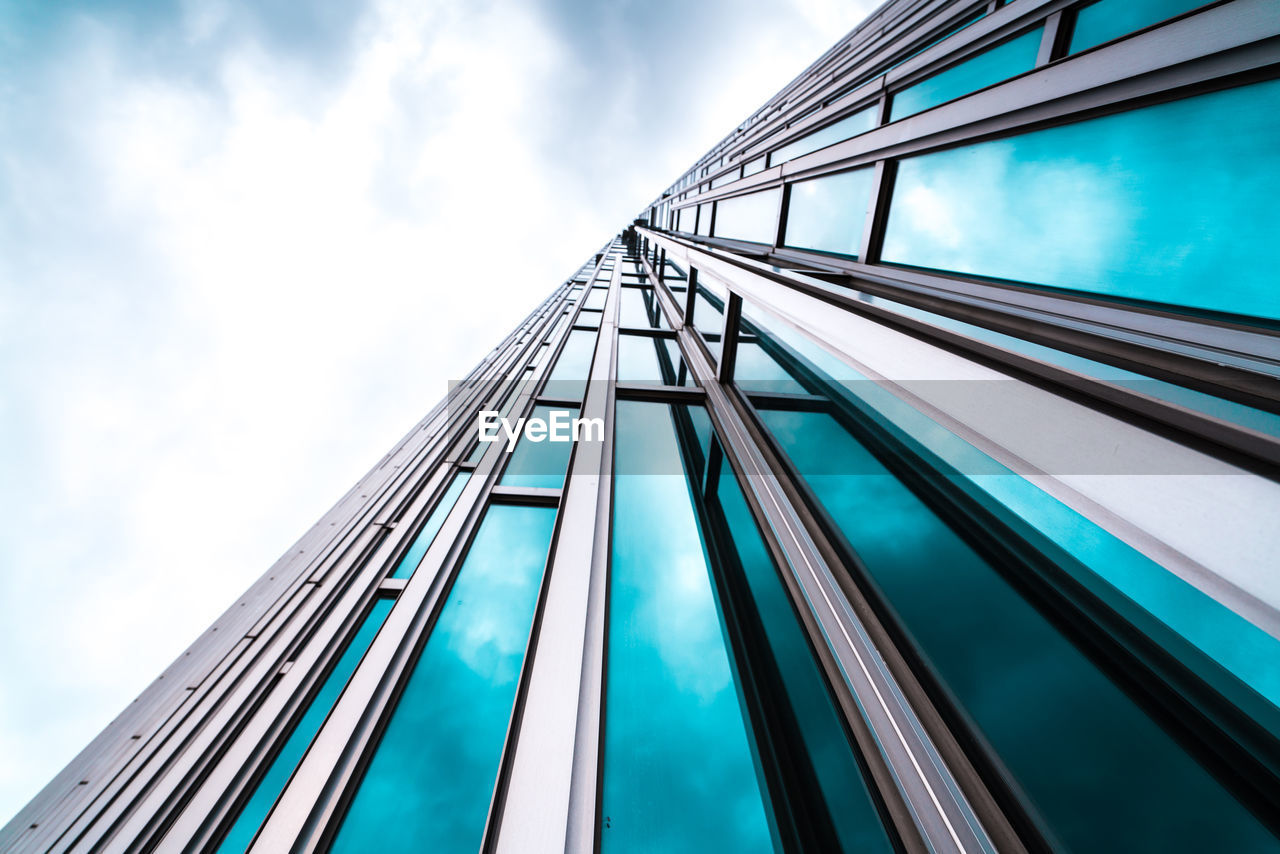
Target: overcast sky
245, 245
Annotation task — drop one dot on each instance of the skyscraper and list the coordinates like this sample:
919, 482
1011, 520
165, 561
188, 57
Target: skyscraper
904, 477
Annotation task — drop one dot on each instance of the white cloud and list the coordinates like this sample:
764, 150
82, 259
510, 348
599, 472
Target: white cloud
224, 294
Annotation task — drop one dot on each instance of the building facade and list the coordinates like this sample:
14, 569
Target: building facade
932, 507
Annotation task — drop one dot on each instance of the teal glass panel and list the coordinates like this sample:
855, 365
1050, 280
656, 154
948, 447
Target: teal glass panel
679, 773
268, 789
595, 298
589, 319
986, 69
1098, 769
431, 527
653, 361
850, 126
639, 308
540, 464
752, 217
432, 774
755, 370
1157, 204
829, 213
1111, 19
568, 379
840, 814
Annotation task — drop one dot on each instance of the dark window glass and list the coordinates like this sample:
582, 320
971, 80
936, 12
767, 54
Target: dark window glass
987, 68
255, 810
752, 217
829, 213
1156, 204
1111, 19
431, 778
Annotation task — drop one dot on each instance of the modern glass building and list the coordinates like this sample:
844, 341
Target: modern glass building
924, 498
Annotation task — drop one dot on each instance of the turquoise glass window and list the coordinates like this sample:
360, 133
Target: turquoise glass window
679, 771
978, 72
752, 217
653, 361
568, 379
431, 527
595, 298
839, 813
540, 464
850, 126
1111, 19
829, 213
1157, 204
431, 778
268, 789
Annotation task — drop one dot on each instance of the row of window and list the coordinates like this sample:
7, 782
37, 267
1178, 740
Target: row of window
1090, 26
1152, 205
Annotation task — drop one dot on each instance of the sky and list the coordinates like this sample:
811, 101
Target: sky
244, 246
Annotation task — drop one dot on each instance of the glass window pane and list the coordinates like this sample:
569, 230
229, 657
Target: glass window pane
850, 126
708, 318
704, 220
596, 298
685, 219
540, 464
568, 378
273, 782
1156, 204
679, 771
655, 361
987, 68
431, 527
828, 213
1100, 770
751, 217
430, 780
1111, 19
840, 811
639, 308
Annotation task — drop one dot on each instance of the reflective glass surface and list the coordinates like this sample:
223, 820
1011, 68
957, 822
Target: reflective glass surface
685, 218
281, 769
704, 219
640, 308
829, 213
708, 318
834, 806
539, 464
750, 217
568, 379
850, 126
1111, 19
679, 772
653, 361
987, 68
596, 298
431, 527
1156, 204
429, 783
